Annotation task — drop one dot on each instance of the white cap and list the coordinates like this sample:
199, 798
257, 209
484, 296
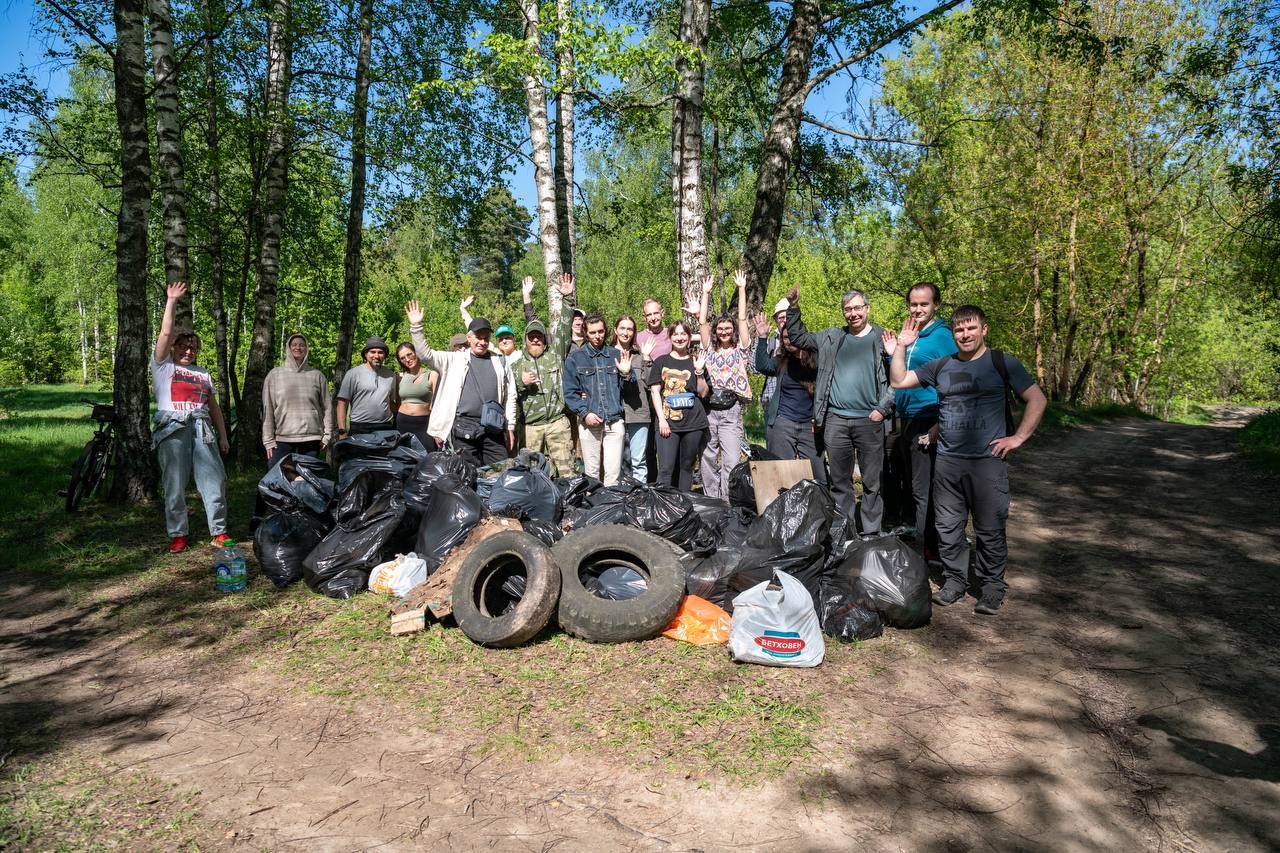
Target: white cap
782, 306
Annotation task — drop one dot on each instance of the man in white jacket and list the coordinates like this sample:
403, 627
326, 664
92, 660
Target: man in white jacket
475, 406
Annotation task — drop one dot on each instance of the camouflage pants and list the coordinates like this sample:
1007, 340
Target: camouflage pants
555, 440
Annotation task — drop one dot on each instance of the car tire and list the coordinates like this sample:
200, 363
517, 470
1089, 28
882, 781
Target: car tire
490, 614
602, 620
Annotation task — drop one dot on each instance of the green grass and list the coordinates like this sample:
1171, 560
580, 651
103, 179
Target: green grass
1260, 439
1060, 416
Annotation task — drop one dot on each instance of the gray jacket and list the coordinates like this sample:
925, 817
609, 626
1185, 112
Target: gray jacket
826, 344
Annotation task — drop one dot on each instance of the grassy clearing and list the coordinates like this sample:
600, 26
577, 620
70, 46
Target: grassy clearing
1260, 439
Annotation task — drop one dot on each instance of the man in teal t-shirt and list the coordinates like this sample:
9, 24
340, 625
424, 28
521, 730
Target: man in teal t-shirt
916, 414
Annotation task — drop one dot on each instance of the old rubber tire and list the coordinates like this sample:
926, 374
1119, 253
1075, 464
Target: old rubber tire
482, 608
602, 620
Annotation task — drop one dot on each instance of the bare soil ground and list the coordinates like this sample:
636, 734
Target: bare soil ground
1125, 698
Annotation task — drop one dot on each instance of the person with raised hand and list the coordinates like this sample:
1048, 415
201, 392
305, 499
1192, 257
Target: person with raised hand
593, 380
475, 407
540, 386
788, 413
727, 348
975, 434
190, 434
679, 385
637, 411
851, 405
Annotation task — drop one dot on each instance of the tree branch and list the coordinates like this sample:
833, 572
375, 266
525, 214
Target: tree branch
84, 28
901, 31
856, 7
863, 138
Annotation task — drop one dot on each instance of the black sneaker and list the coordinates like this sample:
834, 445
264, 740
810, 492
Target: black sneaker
949, 594
989, 603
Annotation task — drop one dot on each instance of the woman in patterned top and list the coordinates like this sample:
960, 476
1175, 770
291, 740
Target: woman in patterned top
728, 352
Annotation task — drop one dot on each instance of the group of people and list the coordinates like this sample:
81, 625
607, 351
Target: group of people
932, 400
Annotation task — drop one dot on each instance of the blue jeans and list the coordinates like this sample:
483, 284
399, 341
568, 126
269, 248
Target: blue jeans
637, 450
181, 454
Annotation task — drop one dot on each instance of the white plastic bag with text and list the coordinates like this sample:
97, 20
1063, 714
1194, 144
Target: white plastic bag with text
774, 623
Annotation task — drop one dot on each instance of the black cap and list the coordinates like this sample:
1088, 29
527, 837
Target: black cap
479, 324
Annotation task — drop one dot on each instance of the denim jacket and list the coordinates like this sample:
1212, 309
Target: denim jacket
592, 383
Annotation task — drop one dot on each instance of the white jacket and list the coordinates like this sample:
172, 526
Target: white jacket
453, 368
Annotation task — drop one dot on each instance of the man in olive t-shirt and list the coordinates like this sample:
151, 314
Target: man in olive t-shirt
970, 475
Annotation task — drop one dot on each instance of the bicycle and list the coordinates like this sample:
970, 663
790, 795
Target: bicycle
97, 458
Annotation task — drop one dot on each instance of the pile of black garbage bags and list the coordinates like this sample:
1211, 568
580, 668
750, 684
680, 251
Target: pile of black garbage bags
391, 496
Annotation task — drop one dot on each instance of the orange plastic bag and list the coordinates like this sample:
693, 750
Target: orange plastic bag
700, 622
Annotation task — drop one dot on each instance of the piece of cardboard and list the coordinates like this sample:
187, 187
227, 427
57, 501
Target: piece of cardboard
770, 478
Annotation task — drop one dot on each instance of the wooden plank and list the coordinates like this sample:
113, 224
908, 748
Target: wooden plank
436, 592
409, 622
772, 477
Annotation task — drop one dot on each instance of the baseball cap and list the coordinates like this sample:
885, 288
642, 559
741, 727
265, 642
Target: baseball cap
504, 329
479, 324
533, 326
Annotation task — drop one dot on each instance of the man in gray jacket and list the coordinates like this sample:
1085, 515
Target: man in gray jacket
852, 401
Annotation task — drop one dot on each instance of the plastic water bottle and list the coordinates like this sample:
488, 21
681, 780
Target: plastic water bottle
231, 573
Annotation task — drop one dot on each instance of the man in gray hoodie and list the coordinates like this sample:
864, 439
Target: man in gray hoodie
296, 415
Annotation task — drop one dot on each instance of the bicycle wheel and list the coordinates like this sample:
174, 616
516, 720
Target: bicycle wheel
80, 486
97, 468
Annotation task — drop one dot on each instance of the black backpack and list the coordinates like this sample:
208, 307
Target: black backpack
997, 361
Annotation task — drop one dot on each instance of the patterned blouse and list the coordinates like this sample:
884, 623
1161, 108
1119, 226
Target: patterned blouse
728, 369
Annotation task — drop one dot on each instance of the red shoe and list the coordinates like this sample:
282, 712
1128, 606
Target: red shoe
177, 544
220, 540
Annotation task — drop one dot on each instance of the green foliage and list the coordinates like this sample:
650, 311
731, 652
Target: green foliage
1260, 438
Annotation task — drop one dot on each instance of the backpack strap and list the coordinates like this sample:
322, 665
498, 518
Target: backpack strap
997, 361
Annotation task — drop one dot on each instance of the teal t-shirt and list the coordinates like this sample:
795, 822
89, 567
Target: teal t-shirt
853, 383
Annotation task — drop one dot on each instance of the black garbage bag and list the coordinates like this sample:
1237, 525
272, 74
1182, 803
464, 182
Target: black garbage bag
386, 450
442, 462
708, 577
891, 578
298, 482
548, 533
791, 535
742, 490
339, 565
529, 487
616, 583
359, 494
669, 513
454, 510
841, 614
760, 453
708, 509
282, 542
604, 506
732, 527
575, 490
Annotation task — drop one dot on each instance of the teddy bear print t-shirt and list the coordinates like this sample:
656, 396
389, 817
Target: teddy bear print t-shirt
673, 376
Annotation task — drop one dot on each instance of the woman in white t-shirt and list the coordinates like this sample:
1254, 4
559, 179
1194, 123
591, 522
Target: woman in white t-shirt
190, 434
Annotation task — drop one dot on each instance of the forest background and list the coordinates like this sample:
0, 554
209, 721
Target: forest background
1102, 177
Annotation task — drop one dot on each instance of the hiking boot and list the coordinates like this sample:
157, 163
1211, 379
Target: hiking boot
949, 594
989, 603
177, 544
220, 540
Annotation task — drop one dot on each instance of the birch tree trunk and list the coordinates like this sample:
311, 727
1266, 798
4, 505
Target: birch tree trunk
213, 143
686, 151
564, 139
135, 479
84, 343
276, 152
173, 191
355, 213
535, 92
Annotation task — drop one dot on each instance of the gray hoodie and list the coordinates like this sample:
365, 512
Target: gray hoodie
295, 402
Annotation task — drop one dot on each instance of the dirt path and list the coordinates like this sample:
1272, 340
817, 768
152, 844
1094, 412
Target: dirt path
1125, 699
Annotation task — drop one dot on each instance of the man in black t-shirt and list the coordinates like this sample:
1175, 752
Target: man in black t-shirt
971, 475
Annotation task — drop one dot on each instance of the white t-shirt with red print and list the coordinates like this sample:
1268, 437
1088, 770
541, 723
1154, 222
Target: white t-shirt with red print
181, 388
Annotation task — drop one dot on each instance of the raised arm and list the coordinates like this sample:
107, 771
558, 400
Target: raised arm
704, 324
744, 329
462, 309
413, 311
526, 296
164, 340
765, 363
800, 337
563, 333
899, 376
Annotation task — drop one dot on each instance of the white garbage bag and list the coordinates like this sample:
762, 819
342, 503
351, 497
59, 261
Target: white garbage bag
398, 576
774, 624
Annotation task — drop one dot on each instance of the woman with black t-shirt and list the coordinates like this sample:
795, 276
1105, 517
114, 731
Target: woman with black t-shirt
679, 384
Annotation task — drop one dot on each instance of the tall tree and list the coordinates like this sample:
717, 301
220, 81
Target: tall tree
136, 474
275, 180
355, 212
169, 153
686, 149
535, 91
213, 144
565, 126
